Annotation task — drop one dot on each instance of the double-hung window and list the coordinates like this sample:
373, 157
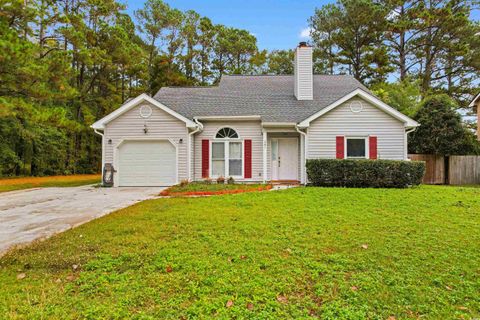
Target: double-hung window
227, 154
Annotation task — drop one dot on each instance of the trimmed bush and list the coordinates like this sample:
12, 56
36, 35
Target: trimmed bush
365, 173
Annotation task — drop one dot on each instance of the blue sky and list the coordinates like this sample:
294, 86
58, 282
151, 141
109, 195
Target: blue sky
277, 24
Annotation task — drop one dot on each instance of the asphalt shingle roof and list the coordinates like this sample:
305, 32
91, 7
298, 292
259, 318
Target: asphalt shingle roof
270, 97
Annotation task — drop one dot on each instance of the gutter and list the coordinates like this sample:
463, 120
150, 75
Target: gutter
228, 118
279, 124
405, 141
304, 173
411, 130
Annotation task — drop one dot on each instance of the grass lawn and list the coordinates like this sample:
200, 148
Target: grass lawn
297, 253
11, 184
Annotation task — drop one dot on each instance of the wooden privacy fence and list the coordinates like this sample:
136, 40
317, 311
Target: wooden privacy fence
464, 170
454, 170
434, 167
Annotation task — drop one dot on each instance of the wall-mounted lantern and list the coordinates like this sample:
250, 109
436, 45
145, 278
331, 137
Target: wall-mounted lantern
145, 128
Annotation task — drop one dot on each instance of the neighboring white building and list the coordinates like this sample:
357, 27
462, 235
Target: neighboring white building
475, 105
252, 128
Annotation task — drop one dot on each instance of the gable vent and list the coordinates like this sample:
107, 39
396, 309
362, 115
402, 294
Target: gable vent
303, 72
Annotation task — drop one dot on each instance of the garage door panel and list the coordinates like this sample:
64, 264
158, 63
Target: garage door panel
147, 163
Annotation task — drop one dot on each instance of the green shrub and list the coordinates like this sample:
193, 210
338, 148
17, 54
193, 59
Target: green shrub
365, 173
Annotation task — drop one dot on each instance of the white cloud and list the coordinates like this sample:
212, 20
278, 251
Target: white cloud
305, 33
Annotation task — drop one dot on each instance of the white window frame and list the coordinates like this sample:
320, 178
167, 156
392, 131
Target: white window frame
226, 142
367, 150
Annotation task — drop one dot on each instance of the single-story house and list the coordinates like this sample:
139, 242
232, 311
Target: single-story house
252, 128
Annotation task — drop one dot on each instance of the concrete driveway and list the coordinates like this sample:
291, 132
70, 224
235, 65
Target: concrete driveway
32, 214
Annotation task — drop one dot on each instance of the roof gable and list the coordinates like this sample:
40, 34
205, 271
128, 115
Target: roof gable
368, 97
100, 124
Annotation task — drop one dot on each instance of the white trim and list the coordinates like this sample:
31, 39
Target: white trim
280, 129
306, 154
368, 97
367, 147
303, 155
116, 158
472, 104
270, 158
265, 154
100, 124
226, 157
231, 118
229, 127
405, 143
191, 152
279, 124
103, 151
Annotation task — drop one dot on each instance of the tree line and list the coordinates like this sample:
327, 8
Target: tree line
432, 44
66, 63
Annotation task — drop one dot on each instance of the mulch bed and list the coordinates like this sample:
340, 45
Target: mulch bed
167, 192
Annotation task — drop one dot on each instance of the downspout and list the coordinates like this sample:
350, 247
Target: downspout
190, 149
304, 171
264, 155
103, 149
406, 141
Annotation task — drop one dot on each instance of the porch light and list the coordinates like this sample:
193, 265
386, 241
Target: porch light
145, 129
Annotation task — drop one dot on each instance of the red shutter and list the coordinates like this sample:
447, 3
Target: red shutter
372, 146
340, 147
247, 172
205, 158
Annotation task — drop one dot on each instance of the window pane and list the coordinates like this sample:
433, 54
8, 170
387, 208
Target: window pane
235, 167
356, 148
274, 150
218, 168
232, 133
218, 150
221, 133
235, 150
226, 133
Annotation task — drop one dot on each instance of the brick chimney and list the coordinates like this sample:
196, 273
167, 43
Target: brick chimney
303, 72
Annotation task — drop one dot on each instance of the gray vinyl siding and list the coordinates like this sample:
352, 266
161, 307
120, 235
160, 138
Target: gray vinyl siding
160, 124
246, 130
271, 136
341, 121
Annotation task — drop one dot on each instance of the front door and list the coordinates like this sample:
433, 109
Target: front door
284, 159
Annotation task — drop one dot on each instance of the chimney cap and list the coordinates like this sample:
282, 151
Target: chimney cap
303, 44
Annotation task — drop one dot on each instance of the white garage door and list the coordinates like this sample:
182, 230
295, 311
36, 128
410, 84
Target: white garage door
147, 163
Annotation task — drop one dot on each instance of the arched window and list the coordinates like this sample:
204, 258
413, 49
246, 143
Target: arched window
226, 133
227, 154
